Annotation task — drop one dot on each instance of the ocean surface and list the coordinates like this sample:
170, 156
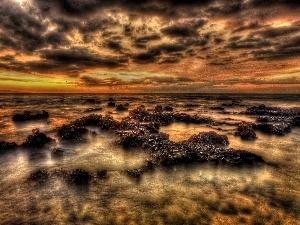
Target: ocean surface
186, 194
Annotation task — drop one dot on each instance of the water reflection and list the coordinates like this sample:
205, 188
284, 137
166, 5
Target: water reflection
193, 194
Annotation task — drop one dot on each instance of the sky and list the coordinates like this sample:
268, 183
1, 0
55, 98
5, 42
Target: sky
150, 46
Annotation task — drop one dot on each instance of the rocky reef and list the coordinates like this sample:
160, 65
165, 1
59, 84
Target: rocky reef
6, 146
36, 140
27, 115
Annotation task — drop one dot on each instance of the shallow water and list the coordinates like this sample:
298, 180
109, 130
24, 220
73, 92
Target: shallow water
191, 194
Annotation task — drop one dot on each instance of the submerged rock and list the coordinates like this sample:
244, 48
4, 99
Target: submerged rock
111, 104
121, 108
278, 129
168, 108
79, 176
58, 151
246, 131
91, 101
209, 138
4, 146
93, 109
102, 174
71, 132
27, 115
40, 176
36, 140
272, 111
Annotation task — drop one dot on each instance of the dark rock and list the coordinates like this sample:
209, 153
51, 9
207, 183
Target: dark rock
217, 108
58, 151
158, 108
191, 105
4, 146
93, 109
91, 101
246, 131
79, 176
111, 104
278, 129
40, 176
27, 115
111, 100
121, 108
272, 111
36, 140
168, 108
71, 132
102, 173
296, 121
209, 138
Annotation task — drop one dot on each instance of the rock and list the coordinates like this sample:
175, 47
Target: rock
71, 132
40, 176
102, 174
217, 108
296, 121
58, 151
93, 109
278, 129
27, 115
79, 176
111, 104
121, 108
91, 101
158, 108
168, 108
111, 100
272, 111
191, 105
246, 131
4, 146
36, 140
209, 138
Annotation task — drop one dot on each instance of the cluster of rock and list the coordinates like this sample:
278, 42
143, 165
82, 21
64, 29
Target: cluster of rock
5, 146
91, 101
272, 111
27, 115
36, 140
203, 147
76, 176
273, 120
246, 131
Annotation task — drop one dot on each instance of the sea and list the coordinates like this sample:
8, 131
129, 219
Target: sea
201, 193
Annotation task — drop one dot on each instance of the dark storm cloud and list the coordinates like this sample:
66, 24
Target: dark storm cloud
271, 32
186, 29
249, 26
20, 30
154, 53
290, 48
226, 8
81, 56
268, 3
150, 80
98, 24
146, 39
248, 43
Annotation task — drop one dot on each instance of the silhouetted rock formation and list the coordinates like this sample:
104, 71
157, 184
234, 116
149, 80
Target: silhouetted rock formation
27, 115
36, 140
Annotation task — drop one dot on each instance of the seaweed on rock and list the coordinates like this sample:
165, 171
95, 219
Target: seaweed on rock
36, 140
246, 131
4, 146
27, 115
